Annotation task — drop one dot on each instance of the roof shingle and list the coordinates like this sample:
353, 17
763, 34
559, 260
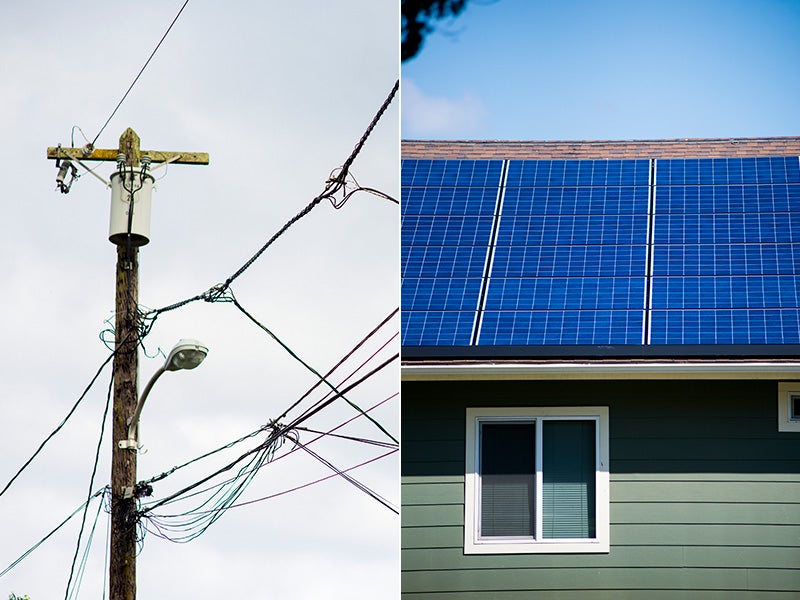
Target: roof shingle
602, 149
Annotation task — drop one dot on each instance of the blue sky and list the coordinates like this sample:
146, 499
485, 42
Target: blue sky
621, 69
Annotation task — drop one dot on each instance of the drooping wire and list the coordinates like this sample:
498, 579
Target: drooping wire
351, 375
347, 437
273, 436
252, 434
49, 535
107, 498
152, 54
320, 435
227, 446
277, 431
350, 180
310, 483
218, 292
187, 525
355, 348
85, 558
196, 521
72, 136
347, 477
328, 401
67, 593
307, 366
60, 425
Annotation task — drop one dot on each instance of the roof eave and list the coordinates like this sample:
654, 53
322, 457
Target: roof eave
779, 370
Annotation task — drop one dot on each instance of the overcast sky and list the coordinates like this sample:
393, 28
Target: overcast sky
616, 69
278, 94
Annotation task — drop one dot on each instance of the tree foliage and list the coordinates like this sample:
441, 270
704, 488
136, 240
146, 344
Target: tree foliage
417, 21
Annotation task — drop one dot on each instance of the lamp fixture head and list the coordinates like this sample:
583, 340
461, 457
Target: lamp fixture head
187, 354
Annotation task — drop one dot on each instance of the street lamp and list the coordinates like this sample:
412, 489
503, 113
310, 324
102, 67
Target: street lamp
187, 354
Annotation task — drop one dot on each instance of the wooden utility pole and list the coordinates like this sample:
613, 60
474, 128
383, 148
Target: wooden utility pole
124, 517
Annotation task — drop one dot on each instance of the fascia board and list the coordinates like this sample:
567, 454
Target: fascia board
588, 370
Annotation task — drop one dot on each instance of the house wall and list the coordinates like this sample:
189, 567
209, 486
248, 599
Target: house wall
705, 494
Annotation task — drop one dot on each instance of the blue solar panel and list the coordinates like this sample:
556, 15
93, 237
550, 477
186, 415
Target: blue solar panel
725, 259
448, 212
570, 254
592, 252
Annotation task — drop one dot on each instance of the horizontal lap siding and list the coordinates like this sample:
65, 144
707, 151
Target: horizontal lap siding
705, 494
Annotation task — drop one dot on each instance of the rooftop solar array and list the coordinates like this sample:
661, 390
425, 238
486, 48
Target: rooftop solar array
601, 252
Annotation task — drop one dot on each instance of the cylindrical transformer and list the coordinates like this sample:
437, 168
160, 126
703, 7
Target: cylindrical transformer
125, 184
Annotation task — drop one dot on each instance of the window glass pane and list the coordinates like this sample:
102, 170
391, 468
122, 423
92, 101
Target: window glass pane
568, 473
508, 470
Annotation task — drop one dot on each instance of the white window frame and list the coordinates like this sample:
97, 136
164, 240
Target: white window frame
787, 390
474, 544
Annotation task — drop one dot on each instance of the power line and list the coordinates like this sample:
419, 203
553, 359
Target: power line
355, 348
91, 487
277, 432
349, 478
152, 54
60, 425
84, 559
316, 481
188, 525
252, 434
309, 367
347, 437
49, 535
320, 435
218, 292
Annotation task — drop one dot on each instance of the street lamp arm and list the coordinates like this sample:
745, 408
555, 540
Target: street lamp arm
133, 422
187, 354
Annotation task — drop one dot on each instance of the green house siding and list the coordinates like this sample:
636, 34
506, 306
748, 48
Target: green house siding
705, 494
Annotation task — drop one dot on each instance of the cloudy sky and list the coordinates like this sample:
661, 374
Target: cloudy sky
617, 69
278, 94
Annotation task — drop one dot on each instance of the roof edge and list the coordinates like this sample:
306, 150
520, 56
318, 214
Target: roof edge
736, 370
602, 149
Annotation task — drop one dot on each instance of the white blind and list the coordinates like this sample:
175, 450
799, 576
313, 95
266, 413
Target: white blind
508, 476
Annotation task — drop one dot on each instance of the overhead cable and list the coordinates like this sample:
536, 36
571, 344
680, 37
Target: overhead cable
349, 478
310, 368
217, 293
343, 359
277, 432
49, 535
60, 425
252, 434
68, 594
152, 54
320, 435
310, 483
